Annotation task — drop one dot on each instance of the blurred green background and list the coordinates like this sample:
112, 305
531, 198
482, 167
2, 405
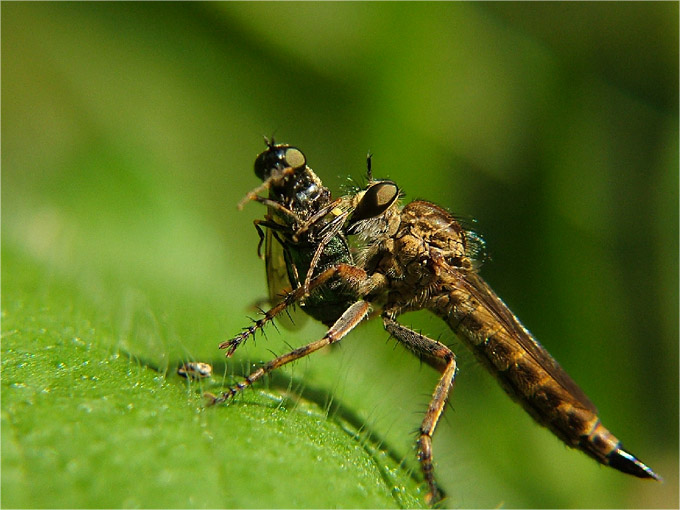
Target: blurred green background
128, 136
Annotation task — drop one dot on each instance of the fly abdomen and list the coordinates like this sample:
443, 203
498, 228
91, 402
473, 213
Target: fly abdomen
528, 373
527, 381
609, 450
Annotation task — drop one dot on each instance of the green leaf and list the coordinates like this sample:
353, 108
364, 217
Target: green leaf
85, 424
129, 132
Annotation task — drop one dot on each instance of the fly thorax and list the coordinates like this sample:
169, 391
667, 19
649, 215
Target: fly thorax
442, 237
312, 197
301, 192
410, 263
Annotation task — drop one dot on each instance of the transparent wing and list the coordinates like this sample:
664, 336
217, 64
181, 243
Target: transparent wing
476, 286
278, 281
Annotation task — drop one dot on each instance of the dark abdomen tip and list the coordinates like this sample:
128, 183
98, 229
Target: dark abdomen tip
624, 461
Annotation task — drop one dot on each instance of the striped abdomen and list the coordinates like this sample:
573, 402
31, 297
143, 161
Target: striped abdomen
526, 370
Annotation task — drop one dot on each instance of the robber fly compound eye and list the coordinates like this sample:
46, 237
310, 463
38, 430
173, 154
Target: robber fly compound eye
376, 200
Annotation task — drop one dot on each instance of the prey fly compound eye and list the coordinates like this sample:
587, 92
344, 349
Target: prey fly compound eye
278, 157
294, 158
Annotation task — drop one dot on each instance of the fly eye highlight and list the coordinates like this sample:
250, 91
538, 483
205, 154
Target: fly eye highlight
277, 157
294, 158
376, 200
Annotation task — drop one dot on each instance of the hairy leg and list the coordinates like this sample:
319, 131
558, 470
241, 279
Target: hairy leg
347, 321
441, 357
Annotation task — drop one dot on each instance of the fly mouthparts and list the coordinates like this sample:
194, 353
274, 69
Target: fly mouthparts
626, 462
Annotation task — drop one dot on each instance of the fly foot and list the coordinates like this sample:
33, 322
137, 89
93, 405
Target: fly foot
232, 345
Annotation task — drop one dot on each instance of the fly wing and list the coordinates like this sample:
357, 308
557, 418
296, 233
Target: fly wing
278, 282
481, 291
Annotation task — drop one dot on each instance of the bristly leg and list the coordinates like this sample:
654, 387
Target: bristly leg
347, 321
442, 358
352, 275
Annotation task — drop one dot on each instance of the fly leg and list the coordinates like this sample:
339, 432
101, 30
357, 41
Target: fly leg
352, 275
347, 321
439, 356
254, 194
334, 228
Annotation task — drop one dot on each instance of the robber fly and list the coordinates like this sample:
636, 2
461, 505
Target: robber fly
427, 260
412, 258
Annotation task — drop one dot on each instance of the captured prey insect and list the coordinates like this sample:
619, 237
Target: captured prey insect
365, 250
306, 224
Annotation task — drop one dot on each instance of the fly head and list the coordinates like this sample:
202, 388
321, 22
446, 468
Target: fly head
291, 183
